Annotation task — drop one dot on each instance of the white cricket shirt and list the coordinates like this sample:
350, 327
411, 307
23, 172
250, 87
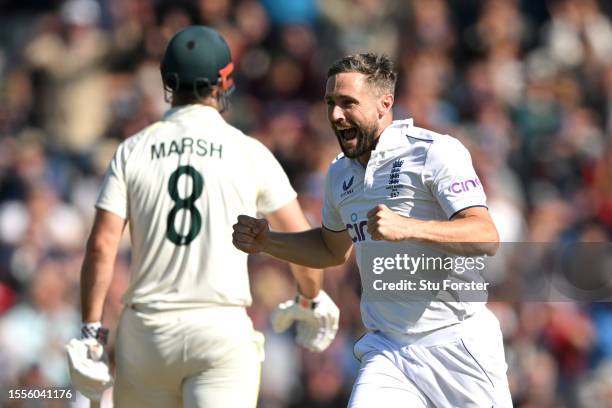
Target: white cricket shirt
181, 183
416, 173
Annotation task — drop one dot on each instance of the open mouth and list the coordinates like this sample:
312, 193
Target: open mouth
347, 134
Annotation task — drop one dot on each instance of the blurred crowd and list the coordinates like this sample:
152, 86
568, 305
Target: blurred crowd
525, 85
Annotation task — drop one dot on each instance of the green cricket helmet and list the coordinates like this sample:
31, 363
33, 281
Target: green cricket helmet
196, 58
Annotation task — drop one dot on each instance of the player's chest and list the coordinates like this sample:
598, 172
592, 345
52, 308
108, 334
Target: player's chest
396, 183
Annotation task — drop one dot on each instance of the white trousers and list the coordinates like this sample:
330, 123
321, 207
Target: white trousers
196, 358
458, 366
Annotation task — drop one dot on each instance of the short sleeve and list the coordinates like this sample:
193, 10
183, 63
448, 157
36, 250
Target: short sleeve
330, 215
112, 195
451, 177
274, 189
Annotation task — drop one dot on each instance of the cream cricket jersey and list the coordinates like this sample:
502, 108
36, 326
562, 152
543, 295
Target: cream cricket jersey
181, 183
416, 173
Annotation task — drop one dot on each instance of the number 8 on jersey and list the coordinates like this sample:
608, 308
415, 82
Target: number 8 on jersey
184, 204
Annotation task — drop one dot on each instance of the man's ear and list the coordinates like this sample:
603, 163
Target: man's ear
385, 103
214, 92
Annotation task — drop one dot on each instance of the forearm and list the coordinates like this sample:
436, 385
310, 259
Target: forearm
306, 248
97, 270
309, 280
96, 276
466, 236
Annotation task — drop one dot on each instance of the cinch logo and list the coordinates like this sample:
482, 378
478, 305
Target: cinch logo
464, 186
357, 229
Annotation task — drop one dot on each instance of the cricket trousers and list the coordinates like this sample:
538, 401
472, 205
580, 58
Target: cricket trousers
458, 366
193, 358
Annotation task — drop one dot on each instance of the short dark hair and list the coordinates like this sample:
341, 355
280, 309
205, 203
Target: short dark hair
186, 95
378, 69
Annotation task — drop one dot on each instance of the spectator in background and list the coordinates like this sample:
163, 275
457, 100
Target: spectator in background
72, 58
33, 334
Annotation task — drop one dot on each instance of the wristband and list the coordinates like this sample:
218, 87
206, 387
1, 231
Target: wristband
305, 302
94, 331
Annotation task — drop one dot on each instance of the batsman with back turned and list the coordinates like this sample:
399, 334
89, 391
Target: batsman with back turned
184, 338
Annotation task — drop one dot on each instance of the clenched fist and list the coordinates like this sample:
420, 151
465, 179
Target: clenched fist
384, 224
250, 234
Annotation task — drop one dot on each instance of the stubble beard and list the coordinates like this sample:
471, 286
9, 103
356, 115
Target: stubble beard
366, 141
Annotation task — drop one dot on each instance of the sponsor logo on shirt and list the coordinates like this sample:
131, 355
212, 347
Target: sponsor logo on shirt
464, 186
357, 230
346, 187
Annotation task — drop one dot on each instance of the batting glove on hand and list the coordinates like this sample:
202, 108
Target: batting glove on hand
317, 320
88, 364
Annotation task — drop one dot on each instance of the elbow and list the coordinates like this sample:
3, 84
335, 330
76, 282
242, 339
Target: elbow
491, 245
487, 242
100, 247
490, 248
333, 260
329, 263
95, 248
340, 259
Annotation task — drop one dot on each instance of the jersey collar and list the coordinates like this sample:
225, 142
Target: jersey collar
184, 111
392, 136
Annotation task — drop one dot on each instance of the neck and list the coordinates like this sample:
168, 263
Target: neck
365, 158
208, 101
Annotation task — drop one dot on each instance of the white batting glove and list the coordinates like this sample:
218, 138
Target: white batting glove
89, 370
316, 319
